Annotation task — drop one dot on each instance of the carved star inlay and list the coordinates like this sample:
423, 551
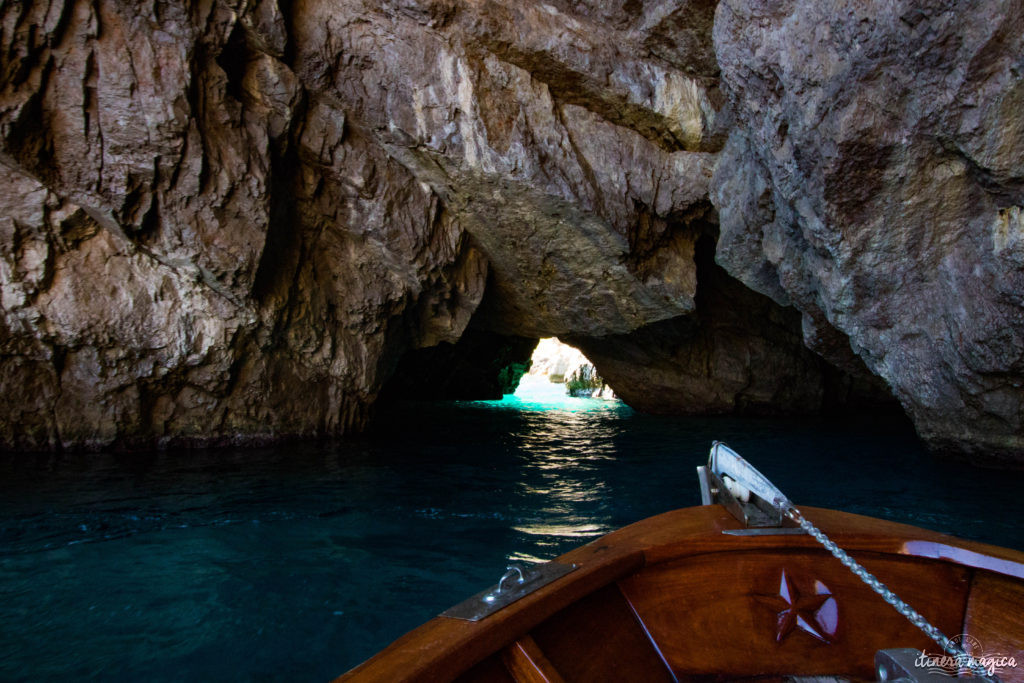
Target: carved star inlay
813, 611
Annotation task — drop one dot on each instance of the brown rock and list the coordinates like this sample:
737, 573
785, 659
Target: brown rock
738, 353
212, 211
192, 250
873, 180
544, 132
227, 221
479, 366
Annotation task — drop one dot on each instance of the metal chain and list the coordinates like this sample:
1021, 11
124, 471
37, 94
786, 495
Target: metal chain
903, 608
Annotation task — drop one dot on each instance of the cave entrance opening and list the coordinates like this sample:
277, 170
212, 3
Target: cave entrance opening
558, 371
518, 372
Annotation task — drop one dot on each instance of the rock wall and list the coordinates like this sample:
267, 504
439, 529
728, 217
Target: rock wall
739, 352
227, 220
562, 149
560, 363
555, 360
194, 249
480, 366
874, 180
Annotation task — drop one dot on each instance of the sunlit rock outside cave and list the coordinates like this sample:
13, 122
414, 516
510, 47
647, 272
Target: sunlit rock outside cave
565, 367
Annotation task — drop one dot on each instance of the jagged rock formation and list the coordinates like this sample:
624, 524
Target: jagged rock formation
573, 162
227, 220
556, 360
739, 352
584, 382
479, 366
194, 249
874, 180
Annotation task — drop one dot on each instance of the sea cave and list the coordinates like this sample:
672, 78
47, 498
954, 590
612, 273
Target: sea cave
277, 278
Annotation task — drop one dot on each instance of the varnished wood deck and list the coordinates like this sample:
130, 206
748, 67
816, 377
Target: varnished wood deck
673, 598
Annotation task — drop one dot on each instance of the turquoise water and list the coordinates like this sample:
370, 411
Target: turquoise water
296, 563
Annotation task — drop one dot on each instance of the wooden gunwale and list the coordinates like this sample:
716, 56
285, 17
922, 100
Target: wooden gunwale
443, 648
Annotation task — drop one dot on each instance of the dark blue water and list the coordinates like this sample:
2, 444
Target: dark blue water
297, 563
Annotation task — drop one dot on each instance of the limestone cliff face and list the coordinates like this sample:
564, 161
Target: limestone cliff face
739, 352
193, 247
228, 220
222, 221
874, 180
575, 163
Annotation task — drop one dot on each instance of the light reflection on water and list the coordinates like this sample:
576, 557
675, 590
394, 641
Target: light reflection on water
580, 531
561, 450
296, 563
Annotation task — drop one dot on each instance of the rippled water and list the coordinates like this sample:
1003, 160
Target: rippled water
297, 563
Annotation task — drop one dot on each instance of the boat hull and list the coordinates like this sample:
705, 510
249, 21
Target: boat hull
681, 596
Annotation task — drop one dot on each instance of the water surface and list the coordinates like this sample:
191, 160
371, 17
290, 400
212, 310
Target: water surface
296, 563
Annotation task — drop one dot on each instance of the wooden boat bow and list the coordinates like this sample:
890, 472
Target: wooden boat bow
674, 597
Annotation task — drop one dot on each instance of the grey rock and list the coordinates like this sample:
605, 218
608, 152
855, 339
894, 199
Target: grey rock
873, 180
195, 249
738, 353
226, 222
